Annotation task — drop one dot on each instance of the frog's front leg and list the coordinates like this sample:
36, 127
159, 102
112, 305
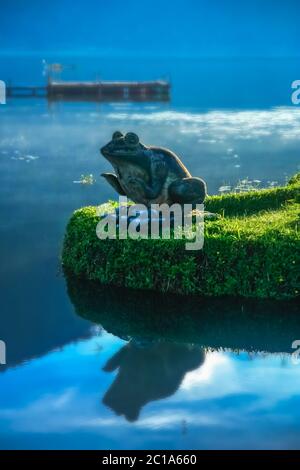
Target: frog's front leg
159, 173
147, 190
114, 182
151, 189
141, 190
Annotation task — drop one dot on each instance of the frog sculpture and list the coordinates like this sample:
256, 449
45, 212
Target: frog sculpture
150, 175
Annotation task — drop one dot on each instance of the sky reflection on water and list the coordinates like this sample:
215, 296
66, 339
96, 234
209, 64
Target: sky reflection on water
231, 401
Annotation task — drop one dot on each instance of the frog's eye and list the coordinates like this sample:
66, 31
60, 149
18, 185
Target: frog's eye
131, 138
116, 135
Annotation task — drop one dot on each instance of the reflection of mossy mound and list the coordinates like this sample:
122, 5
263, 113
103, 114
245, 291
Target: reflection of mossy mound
252, 325
253, 250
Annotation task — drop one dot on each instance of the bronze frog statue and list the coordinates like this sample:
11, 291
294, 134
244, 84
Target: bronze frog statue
150, 175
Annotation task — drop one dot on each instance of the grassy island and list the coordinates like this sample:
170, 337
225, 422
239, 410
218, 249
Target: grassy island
251, 250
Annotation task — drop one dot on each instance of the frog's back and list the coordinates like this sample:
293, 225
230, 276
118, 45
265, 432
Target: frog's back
175, 165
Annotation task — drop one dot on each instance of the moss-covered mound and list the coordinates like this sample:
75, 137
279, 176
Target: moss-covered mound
252, 250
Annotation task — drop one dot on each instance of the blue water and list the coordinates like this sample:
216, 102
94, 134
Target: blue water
108, 369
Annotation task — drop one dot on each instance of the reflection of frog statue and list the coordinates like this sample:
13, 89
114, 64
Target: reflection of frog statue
148, 373
150, 175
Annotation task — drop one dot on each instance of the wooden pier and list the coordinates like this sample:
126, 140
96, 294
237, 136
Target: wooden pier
158, 90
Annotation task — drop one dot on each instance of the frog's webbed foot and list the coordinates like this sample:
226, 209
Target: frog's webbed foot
187, 191
114, 182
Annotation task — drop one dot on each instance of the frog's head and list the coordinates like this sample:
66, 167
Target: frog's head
123, 147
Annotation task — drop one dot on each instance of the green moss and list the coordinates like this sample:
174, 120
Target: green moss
294, 179
253, 250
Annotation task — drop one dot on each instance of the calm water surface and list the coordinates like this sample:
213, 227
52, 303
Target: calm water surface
92, 367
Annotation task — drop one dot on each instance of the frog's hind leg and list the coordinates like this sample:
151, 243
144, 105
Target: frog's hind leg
114, 182
187, 191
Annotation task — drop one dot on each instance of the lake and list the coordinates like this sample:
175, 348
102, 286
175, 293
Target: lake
94, 367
